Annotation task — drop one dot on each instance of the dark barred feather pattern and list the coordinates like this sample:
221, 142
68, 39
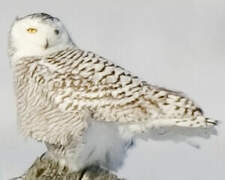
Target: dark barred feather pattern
66, 88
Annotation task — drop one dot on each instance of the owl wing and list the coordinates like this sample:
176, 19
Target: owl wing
84, 80
59, 93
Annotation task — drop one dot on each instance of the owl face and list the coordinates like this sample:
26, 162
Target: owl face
37, 34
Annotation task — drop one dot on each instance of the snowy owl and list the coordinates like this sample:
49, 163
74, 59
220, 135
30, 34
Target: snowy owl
86, 109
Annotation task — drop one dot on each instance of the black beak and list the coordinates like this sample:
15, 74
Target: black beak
47, 44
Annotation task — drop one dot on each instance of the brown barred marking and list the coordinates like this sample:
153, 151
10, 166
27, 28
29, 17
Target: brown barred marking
65, 86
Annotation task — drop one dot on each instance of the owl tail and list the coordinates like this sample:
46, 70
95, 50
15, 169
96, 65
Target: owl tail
181, 130
197, 122
191, 122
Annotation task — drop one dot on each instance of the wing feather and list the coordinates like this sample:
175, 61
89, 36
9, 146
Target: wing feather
110, 92
57, 93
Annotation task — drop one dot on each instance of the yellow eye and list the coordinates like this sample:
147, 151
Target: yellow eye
32, 30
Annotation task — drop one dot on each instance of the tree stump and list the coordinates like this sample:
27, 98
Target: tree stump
46, 169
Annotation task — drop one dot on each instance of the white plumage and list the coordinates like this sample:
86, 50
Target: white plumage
85, 108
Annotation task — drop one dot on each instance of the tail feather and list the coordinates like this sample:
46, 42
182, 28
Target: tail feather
212, 122
189, 122
195, 122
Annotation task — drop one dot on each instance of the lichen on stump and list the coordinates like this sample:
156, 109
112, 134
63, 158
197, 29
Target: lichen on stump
46, 169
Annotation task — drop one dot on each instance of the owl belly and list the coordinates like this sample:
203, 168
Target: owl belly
104, 145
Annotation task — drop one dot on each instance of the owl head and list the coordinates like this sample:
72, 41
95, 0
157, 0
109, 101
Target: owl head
37, 34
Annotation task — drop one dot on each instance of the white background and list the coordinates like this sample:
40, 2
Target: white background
179, 44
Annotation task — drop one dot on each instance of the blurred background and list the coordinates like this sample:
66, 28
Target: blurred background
178, 44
